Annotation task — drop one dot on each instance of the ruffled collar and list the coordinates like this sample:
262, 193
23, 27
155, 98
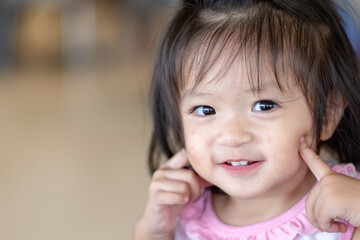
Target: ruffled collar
199, 221
203, 222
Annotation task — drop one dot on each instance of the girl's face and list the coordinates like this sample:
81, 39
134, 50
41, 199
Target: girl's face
243, 142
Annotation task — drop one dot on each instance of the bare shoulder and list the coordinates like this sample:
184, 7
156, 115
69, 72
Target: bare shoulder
356, 235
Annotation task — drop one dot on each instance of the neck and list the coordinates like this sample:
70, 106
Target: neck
231, 210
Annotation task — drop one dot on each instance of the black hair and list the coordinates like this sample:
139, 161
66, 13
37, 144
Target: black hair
305, 37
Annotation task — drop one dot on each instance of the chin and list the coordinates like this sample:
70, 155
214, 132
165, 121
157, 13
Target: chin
240, 194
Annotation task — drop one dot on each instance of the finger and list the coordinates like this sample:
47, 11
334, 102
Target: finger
338, 227
317, 166
188, 176
310, 206
179, 160
169, 185
325, 217
182, 175
195, 182
331, 225
170, 198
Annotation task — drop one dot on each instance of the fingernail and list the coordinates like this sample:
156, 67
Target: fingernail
302, 142
183, 151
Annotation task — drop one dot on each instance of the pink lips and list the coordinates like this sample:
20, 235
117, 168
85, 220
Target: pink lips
242, 169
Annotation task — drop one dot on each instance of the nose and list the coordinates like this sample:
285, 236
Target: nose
234, 133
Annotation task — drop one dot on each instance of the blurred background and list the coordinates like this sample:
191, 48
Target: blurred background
74, 121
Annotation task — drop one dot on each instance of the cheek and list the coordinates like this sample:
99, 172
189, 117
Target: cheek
286, 143
193, 145
197, 161
268, 139
283, 156
283, 146
198, 139
295, 128
198, 148
193, 142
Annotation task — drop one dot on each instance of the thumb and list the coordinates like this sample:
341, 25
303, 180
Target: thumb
317, 166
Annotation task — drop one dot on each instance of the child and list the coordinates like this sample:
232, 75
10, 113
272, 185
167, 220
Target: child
248, 93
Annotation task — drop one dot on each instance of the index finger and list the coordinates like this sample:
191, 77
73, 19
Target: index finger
179, 160
317, 166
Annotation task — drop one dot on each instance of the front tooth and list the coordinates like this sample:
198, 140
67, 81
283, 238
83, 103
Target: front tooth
239, 163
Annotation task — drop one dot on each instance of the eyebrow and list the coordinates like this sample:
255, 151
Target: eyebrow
268, 85
194, 93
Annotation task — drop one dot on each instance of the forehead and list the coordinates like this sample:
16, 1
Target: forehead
246, 72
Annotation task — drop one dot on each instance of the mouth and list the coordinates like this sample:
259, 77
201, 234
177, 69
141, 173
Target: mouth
240, 163
241, 166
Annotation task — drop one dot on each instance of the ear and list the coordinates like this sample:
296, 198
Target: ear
335, 108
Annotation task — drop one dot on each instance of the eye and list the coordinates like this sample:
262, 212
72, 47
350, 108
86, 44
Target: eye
264, 105
204, 110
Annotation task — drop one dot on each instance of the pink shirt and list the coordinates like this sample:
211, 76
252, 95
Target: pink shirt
199, 221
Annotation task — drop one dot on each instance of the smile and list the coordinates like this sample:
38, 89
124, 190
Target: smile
241, 166
240, 163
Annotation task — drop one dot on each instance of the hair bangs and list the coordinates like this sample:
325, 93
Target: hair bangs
262, 39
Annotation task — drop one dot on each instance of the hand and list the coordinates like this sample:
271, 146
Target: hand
171, 188
335, 196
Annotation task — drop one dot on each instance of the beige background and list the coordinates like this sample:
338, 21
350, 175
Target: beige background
74, 137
